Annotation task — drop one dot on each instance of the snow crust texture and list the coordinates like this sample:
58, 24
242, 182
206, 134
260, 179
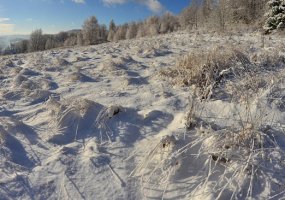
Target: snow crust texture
102, 122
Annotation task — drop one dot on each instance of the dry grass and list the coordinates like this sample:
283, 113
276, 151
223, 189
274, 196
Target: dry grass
239, 144
242, 152
206, 70
250, 86
233, 72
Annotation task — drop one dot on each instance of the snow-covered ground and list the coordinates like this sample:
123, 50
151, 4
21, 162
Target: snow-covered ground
101, 122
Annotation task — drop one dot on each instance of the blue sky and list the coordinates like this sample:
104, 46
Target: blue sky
24, 16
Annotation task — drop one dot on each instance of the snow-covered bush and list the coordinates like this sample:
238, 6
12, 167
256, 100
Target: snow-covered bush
276, 15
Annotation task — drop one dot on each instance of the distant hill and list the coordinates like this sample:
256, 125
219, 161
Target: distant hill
73, 31
7, 39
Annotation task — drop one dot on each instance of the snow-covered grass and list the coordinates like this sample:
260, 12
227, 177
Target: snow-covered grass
178, 116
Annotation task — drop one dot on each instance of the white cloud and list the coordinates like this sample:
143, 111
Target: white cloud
6, 28
79, 1
4, 19
154, 5
112, 2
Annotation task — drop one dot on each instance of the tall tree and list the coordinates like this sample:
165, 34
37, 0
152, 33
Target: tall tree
153, 25
189, 16
132, 31
79, 37
121, 33
222, 14
169, 23
90, 31
103, 33
112, 31
207, 7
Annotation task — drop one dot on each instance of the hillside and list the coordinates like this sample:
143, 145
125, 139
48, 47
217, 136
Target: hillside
122, 121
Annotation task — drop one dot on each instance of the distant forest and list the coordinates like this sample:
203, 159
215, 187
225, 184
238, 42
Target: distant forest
215, 15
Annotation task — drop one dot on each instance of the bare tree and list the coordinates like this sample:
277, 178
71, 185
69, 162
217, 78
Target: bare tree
37, 41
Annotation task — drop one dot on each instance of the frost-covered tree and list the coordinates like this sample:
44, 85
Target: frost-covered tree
19, 47
189, 16
79, 37
103, 33
70, 41
222, 11
37, 41
111, 35
132, 31
245, 11
207, 7
50, 43
169, 23
121, 33
276, 15
152, 25
90, 31
141, 30
112, 31
61, 37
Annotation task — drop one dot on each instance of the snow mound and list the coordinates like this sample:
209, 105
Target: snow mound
75, 120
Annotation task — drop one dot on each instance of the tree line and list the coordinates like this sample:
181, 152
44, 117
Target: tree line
200, 14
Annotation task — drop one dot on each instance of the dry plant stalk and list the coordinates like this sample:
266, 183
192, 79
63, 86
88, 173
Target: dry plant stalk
206, 70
